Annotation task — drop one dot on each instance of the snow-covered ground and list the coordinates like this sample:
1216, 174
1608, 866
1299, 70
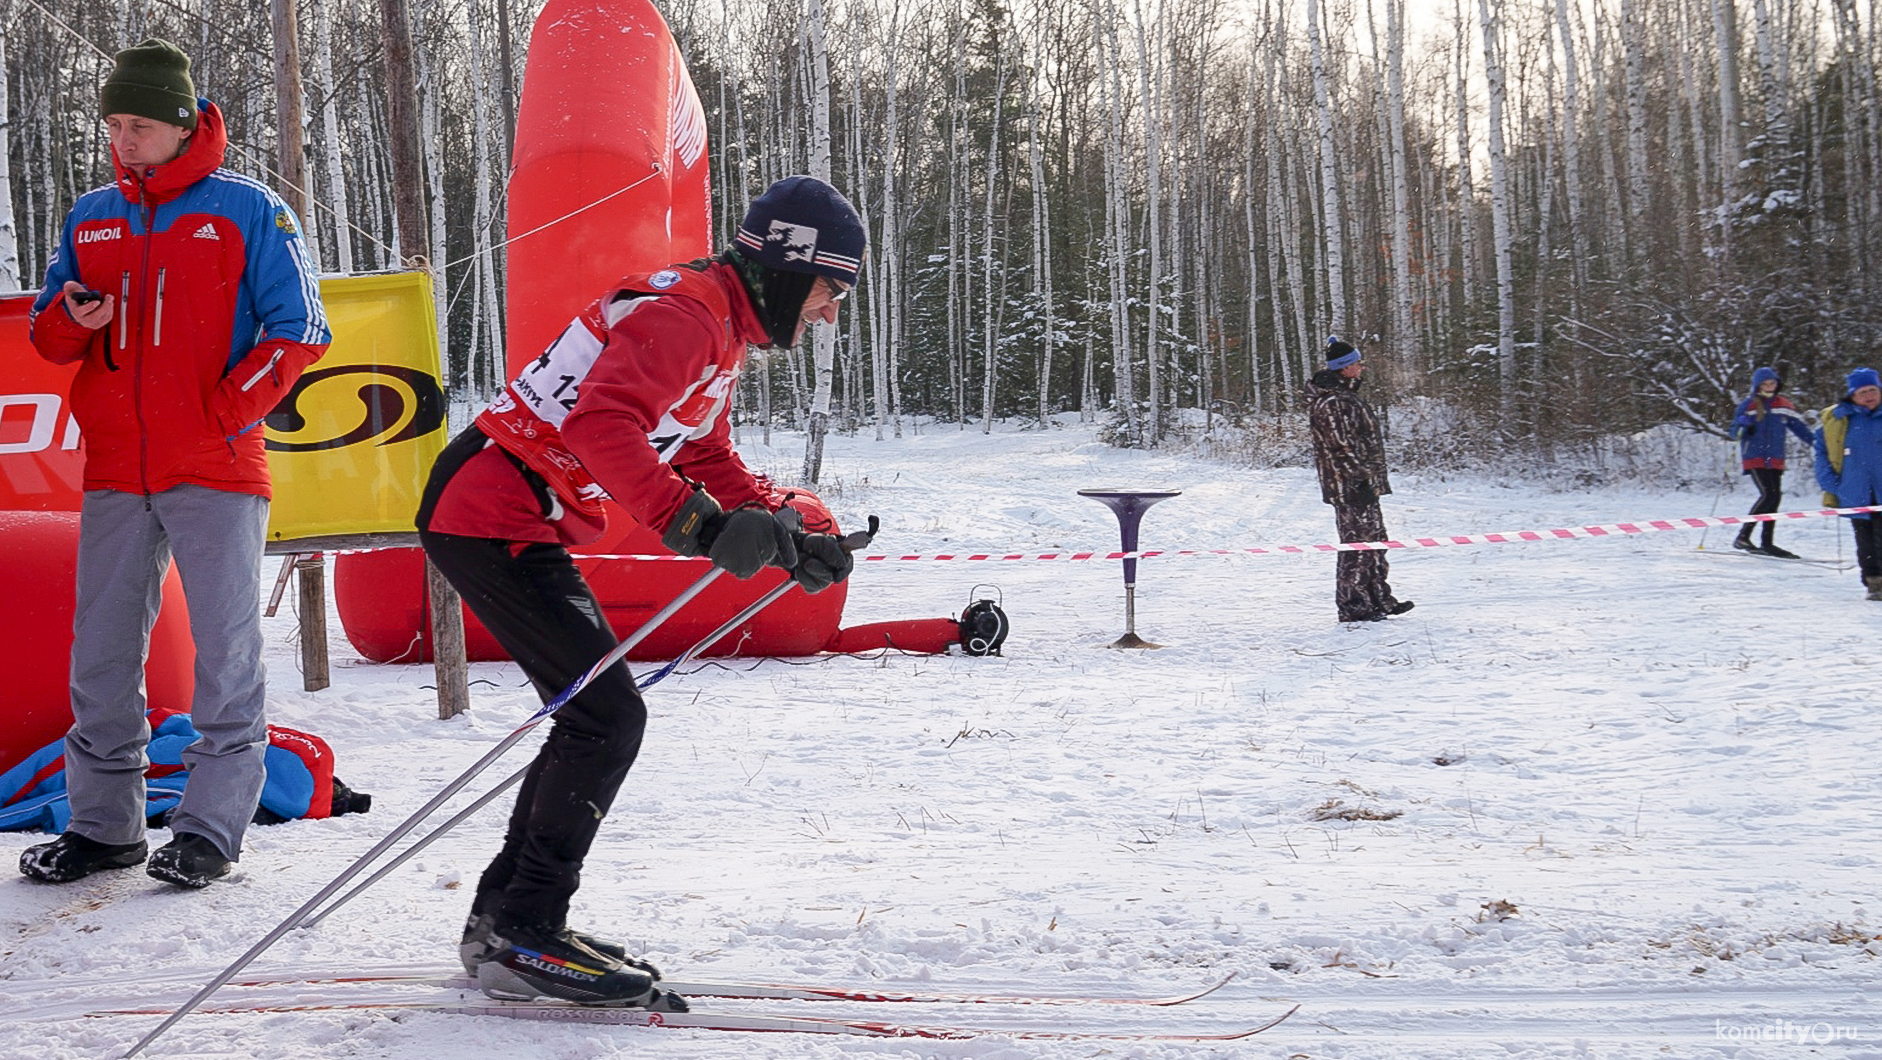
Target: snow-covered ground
1613, 798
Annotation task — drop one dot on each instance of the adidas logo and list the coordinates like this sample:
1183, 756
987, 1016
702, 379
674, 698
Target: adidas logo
207, 231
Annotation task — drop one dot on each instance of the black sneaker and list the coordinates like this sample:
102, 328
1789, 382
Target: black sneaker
74, 857
1780, 553
188, 860
479, 944
537, 963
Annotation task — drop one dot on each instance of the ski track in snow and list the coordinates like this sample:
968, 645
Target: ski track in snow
1608, 798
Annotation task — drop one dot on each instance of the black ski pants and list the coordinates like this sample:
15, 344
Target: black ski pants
534, 601
536, 604
1770, 483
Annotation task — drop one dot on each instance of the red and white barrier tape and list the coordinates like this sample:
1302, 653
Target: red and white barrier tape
1651, 526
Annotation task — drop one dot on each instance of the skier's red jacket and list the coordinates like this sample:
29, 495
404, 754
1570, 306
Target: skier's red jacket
217, 312
631, 401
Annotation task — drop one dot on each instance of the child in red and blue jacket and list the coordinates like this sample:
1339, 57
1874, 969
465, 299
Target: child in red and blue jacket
1759, 426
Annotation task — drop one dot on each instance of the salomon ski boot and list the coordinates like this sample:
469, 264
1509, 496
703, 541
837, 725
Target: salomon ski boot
536, 962
479, 944
73, 857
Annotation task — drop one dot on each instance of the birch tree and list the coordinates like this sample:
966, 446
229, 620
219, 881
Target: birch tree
1500, 214
9, 236
1332, 306
823, 340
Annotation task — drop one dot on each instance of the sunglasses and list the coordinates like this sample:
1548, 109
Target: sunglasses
837, 292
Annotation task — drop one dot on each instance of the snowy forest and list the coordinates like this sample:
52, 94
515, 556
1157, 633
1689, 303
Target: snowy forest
1553, 219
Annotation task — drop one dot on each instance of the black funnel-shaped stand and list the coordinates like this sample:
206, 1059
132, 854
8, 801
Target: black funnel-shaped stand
1129, 505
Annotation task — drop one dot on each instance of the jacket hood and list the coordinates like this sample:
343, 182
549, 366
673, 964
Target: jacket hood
207, 147
1759, 377
745, 322
1330, 379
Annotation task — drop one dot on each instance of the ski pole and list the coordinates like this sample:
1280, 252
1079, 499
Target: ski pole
438, 800
851, 543
485, 799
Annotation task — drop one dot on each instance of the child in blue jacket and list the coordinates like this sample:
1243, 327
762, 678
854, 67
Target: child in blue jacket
1759, 427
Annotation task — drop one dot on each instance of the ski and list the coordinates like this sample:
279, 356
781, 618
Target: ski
562, 1012
760, 991
1831, 563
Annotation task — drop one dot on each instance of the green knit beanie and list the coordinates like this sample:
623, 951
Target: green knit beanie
151, 80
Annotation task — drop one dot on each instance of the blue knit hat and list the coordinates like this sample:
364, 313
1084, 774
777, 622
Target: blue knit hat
1339, 353
1863, 377
801, 224
1758, 378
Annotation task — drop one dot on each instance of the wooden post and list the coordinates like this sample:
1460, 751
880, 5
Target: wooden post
315, 671
447, 644
287, 102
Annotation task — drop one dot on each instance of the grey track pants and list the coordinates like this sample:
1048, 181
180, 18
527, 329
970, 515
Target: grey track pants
125, 544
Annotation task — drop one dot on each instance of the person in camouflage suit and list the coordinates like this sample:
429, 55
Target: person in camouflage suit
1349, 452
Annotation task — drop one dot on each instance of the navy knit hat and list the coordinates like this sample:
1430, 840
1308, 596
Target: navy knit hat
1863, 377
801, 224
1759, 377
1339, 353
152, 81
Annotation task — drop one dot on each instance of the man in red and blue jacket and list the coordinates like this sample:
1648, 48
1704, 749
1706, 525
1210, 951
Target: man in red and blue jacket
185, 296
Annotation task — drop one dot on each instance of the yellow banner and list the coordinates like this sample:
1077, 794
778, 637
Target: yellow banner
351, 444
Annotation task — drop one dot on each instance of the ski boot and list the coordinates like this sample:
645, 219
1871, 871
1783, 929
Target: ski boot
536, 962
479, 944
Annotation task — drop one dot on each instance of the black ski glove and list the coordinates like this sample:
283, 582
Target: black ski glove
746, 540
741, 542
822, 561
1361, 495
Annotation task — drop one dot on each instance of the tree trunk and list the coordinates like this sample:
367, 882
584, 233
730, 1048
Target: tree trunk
1500, 218
823, 339
1405, 340
1725, 27
408, 180
1042, 247
1571, 150
1332, 304
9, 236
333, 184
991, 300
287, 105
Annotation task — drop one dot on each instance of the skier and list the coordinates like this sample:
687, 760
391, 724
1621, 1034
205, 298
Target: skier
630, 402
1759, 425
1849, 466
185, 295
1350, 456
